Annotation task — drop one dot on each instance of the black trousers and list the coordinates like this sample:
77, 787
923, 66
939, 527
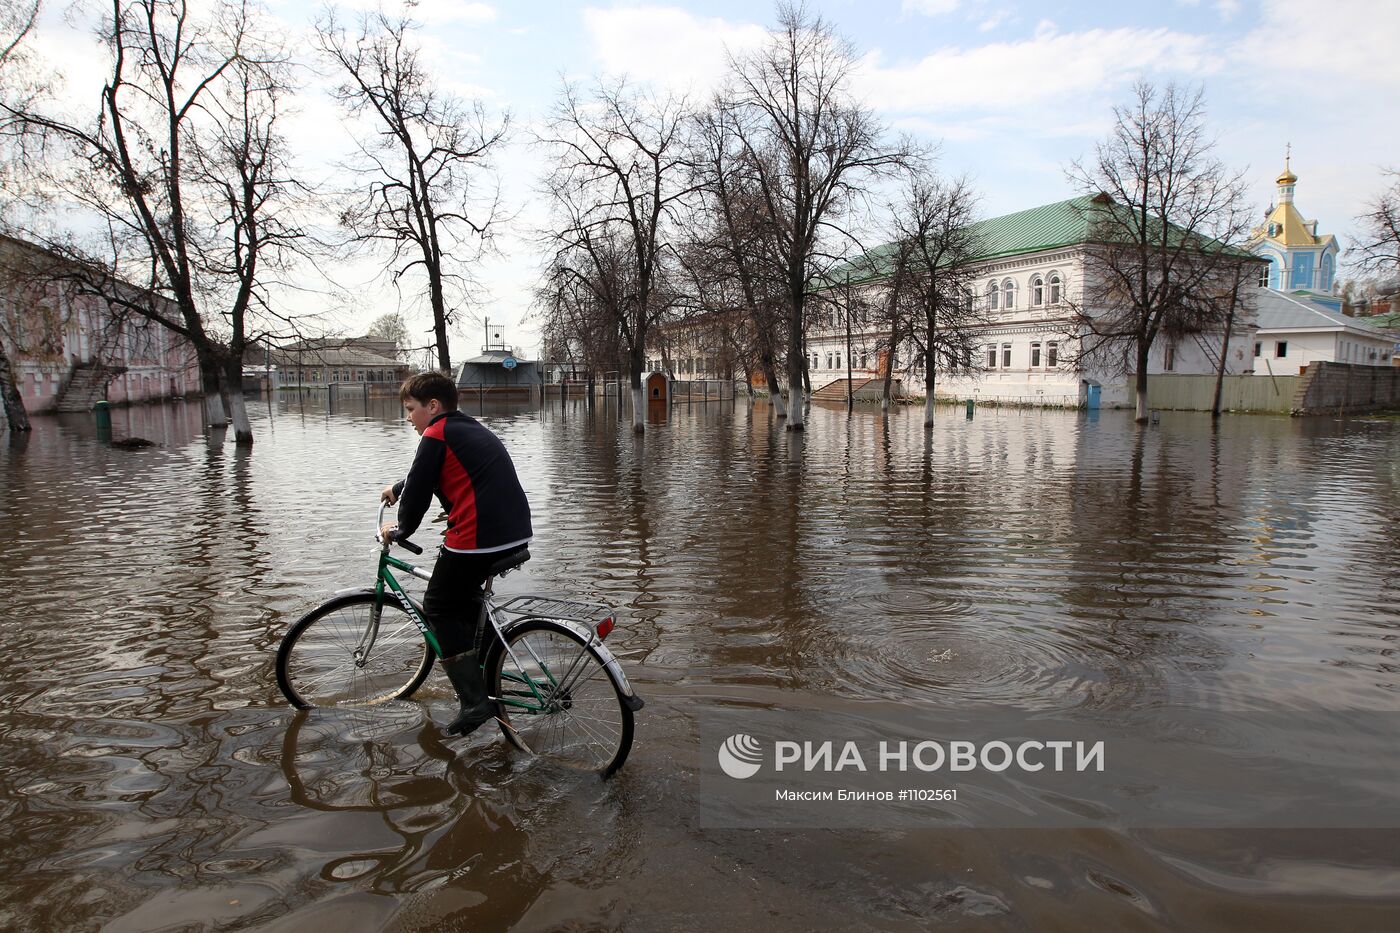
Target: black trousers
452, 604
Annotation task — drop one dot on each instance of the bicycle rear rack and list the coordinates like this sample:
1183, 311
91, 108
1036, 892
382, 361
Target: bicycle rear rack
547, 607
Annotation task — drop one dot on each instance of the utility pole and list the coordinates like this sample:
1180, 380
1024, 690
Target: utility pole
850, 390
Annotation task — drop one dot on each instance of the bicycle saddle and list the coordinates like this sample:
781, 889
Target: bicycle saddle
509, 560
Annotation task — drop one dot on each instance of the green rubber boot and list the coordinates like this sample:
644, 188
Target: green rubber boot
465, 673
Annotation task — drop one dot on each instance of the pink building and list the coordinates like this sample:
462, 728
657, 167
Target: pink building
68, 350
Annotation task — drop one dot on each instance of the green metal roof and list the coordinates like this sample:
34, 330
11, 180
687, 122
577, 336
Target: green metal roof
1388, 321
1050, 226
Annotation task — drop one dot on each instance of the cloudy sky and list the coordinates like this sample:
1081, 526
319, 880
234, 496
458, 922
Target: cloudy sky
1010, 91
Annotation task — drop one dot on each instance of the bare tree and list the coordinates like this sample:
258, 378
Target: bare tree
809, 145
185, 169
739, 241
393, 327
620, 189
577, 324
429, 196
1163, 213
1232, 301
933, 226
1378, 252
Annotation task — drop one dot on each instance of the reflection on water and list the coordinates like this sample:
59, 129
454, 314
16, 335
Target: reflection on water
153, 778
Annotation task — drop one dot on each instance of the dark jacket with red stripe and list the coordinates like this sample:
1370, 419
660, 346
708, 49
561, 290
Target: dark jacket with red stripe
468, 468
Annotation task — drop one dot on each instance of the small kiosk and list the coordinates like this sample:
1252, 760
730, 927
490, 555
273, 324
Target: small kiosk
656, 386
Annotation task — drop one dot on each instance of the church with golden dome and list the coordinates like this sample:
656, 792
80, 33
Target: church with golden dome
1299, 259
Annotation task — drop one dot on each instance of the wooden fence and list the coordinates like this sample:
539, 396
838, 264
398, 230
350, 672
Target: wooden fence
1173, 392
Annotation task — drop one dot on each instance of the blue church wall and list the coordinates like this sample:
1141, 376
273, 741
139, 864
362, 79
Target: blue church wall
1302, 270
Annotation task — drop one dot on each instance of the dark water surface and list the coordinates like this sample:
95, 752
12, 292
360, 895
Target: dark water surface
152, 778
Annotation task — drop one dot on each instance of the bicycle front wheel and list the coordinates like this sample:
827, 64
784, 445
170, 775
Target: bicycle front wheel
557, 699
329, 659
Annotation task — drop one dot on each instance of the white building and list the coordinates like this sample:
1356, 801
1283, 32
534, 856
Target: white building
1029, 278
1295, 330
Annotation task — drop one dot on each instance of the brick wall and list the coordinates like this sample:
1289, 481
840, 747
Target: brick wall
1328, 388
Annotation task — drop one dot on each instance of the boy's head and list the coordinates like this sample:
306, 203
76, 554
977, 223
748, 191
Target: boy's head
427, 395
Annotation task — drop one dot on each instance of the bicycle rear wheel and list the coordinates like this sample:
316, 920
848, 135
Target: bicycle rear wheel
558, 700
323, 660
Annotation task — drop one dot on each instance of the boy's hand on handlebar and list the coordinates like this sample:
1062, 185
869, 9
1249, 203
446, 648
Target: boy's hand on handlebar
386, 495
386, 530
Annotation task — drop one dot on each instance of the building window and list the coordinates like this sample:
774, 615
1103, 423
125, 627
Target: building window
1054, 288
838, 361
1169, 359
993, 296
1035, 355
1008, 294
828, 361
1258, 349
1052, 354
992, 357
1281, 349
1264, 271
1037, 291
1006, 356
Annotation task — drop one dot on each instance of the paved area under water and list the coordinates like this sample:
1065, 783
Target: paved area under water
152, 777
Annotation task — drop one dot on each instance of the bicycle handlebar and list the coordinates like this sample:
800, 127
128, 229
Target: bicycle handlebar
379, 523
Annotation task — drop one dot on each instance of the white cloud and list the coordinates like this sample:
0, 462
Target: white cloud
1024, 75
929, 7
431, 12
1227, 8
1352, 43
993, 21
665, 45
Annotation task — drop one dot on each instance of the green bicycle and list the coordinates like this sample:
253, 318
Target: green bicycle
561, 693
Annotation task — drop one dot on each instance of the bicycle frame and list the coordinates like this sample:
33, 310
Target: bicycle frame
385, 579
540, 693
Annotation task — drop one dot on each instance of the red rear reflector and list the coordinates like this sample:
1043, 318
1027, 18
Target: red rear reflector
604, 627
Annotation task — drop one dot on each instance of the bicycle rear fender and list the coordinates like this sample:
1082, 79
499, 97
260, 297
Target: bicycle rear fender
610, 663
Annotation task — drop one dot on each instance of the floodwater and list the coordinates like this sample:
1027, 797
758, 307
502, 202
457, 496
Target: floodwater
151, 777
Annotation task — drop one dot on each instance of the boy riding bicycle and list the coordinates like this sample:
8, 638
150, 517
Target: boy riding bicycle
467, 467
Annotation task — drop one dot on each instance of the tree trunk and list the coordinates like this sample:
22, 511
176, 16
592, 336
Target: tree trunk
14, 402
889, 369
1224, 353
796, 358
1142, 350
796, 399
929, 380
440, 321
639, 408
210, 382
238, 408
775, 388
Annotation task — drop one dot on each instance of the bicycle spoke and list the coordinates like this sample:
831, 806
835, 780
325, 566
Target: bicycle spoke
321, 665
582, 721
